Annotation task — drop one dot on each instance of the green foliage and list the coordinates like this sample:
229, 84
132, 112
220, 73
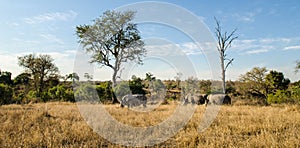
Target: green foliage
281, 96
157, 86
112, 39
276, 81
5, 77
122, 89
86, 92
22, 78
104, 91
61, 93
289, 95
136, 85
170, 84
253, 83
32, 97
133, 86
190, 86
205, 86
20, 97
231, 88
295, 91
52, 81
41, 68
6, 93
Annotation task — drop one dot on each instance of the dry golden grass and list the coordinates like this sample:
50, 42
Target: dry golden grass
61, 125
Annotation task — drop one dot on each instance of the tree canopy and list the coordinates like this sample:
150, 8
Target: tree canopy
276, 81
41, 67
254, 81
112, 39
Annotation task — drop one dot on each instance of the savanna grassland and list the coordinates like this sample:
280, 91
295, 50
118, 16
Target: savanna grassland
58, 124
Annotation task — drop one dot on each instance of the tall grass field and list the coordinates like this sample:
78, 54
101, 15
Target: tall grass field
58, 124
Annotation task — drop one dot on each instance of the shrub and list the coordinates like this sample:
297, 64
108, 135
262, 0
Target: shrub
122, 89
32, 97
61, 93
6, 94
104, 91
295, 93
281, 96
86, 92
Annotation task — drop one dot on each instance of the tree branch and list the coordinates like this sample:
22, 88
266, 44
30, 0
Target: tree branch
230, 62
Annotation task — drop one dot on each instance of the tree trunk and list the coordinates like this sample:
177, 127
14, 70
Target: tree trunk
114, 84
223, 74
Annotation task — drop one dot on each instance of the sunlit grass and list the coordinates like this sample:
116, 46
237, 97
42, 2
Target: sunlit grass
60, 124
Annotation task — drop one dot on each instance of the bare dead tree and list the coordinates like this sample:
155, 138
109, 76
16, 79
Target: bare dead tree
224, 42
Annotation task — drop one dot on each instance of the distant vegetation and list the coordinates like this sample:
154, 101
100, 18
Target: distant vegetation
41, 82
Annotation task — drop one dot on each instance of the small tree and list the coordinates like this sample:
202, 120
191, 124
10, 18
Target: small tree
41, 68
224, 42
254, 82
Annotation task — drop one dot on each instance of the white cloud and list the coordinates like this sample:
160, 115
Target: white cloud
52, 38
190, 48
292, 47
186, 48
9, 62
247, 17
262, 45
257, 51
53, 16
13, 24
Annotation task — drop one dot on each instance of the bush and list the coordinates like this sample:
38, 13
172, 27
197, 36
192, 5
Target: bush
6, 93
281, 96
136, 85
122, 89
19, 98
295, 93
60, 93
291, 95
104, 91
86, 92
32, 97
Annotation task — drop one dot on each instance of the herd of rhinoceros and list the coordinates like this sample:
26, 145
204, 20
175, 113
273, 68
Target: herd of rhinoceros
133, 100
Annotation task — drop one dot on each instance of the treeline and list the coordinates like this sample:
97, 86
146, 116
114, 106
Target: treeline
41, 82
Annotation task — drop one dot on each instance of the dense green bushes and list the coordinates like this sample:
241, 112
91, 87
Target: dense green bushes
289, 95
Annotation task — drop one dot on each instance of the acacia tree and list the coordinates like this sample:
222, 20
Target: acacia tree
112, 39
224, 42
254, 82
40, 67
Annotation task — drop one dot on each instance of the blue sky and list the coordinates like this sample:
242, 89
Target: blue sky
269, 33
